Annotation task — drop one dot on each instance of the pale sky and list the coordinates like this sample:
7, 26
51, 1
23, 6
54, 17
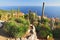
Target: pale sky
29, 2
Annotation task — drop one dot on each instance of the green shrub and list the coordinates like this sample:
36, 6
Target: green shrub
44, 31
21, 20
15, 29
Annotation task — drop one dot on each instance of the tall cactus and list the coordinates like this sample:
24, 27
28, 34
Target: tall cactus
11, 12
18, 10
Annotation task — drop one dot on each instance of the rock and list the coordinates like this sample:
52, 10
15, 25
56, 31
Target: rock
24, 39
32, 36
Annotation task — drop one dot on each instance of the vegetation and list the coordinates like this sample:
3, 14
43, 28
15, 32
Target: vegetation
56, 33
26, 16
17, 27
12, 12
44, 31
32, 17
57, 23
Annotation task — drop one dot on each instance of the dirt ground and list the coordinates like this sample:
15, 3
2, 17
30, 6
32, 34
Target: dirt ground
3, 35
3, 38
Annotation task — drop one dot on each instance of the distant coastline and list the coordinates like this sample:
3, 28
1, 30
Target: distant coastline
50, 11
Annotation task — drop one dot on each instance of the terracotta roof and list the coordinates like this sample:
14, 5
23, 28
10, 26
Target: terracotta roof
19, 14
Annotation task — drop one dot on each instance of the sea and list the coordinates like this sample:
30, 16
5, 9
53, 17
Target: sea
49, 11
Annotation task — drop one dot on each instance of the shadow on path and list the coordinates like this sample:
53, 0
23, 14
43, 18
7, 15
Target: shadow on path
3, 33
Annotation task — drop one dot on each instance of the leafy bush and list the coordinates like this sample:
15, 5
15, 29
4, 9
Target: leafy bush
43, 31
16, 29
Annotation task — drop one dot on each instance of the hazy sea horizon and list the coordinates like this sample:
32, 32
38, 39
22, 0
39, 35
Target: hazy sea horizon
50, 11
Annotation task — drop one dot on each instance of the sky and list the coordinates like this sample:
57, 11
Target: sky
29, 2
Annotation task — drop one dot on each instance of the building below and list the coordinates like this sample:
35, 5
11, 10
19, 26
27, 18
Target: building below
6, 16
